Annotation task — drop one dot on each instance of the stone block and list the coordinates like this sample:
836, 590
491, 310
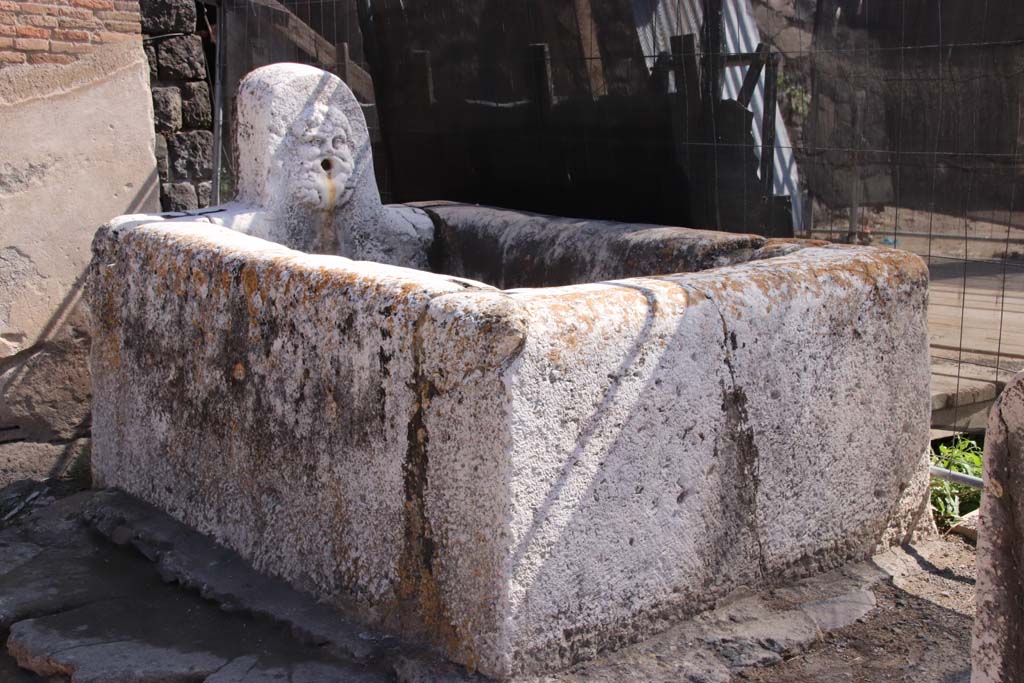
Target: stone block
162, 157
181, 59
534, 474
178, 196
195, 105
997, 649
203, 192
191, 154
21, 460
168, 16
103, 165
150, 51
44, 392
167, 109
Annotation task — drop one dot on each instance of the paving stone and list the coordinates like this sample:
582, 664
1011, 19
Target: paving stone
254, 669
121, 640
58, 579
193, 560
967, 526
78, 606
88, 609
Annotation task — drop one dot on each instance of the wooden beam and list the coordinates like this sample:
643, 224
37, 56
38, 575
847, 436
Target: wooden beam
423, 76
541, 86
767, 169
591, 48
753, 75
316, 46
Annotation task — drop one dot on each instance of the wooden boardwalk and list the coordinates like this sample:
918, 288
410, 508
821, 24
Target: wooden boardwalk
976, 331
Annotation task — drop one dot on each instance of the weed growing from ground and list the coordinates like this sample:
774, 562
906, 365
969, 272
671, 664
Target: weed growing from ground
952, 501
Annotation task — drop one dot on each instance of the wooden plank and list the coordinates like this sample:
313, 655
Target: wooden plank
691, 80
316, 46
542, 87
591, 48
768, 128
423, 75
753, 75
660, 73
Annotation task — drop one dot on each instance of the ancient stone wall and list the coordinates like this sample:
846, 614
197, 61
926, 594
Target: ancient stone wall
62, 31
182, 110
76, 148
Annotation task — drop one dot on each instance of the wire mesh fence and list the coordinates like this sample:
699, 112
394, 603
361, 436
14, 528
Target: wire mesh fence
886, 122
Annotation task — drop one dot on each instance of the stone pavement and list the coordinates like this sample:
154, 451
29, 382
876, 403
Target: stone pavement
97, 587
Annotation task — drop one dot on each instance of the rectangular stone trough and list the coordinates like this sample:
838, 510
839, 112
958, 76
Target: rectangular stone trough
572, 435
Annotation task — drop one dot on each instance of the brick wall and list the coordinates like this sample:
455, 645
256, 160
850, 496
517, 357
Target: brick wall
60, 31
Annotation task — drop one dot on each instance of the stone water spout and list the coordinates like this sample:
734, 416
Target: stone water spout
305, 173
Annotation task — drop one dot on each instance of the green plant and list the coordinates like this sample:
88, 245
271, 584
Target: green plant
794, 95
952, 501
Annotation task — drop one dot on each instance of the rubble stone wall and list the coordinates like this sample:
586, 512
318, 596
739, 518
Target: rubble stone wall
182, 104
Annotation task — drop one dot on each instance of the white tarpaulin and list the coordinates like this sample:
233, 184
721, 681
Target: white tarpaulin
658, 20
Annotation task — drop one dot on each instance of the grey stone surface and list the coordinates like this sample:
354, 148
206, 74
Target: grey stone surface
203, 192
195, 561
195, 104
510, 249
163, 161
181, 58
80, 607
35, 460
62, 133
191, 154
44, 393
997, 649
522, 478
167, 109
150, 51
179, 196
306, 166
144, 638
168, 16
912, 517
256, 669
83, 607
502, 442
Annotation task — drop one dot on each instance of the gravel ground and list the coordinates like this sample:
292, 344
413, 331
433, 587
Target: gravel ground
919, 632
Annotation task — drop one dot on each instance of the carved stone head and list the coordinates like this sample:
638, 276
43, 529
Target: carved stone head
303, 154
